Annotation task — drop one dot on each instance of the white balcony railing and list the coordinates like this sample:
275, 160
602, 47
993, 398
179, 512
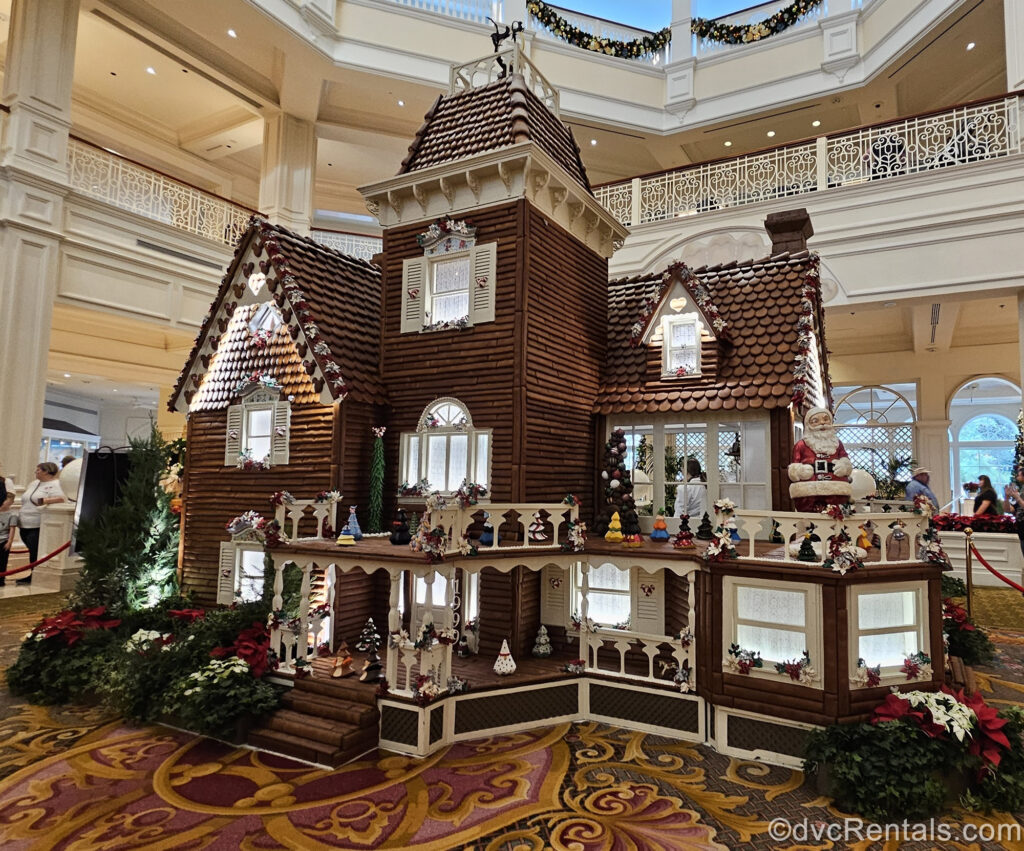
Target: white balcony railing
128, 186
602, 28
353, 244
465, 10
958, 136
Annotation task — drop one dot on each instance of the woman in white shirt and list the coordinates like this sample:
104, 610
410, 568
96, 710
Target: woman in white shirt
692, 497
45, 490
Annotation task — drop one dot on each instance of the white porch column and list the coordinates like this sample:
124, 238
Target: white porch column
1013, 19
680, 91
288, 172
933, 452
33, 182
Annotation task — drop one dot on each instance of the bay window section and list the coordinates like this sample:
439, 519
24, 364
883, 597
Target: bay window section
888, 625
445, 451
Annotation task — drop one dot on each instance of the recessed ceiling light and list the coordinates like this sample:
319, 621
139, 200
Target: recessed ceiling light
67, 375
771, 134
232, 33
728, 144
593, 141
401, 103
970, 45
815, 123
151, 70
115, 389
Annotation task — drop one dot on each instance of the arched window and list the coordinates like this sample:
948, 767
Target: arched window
876, 425
983, 430
445, 450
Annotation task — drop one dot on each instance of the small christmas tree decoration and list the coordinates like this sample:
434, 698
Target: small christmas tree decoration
462, 648
704, 530
422, 533
614, 533
536, 530
631, 527
487, 535
352, 526
400, 529
684, 537
369, 643
542, 646
345, 540
504, 664
375, 520
660, 530
807, 552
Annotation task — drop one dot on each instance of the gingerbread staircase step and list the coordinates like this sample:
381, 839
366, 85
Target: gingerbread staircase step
348, 688
322, 706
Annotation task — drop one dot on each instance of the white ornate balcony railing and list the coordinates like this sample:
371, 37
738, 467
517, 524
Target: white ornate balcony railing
295, 641
289, 514
479, 72
791, 526
466, 10
603, 29
652, 646
511, 522
958, 136
755, 14
353, 244
128, 186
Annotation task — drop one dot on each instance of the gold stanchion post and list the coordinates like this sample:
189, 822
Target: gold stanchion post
968, 532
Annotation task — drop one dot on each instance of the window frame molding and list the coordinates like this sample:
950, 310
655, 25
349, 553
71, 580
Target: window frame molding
669, 320
890, 674
424, 431
259, 397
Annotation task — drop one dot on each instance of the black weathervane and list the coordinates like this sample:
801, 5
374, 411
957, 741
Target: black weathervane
497, 37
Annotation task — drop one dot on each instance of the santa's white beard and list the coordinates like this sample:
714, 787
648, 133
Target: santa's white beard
822, 440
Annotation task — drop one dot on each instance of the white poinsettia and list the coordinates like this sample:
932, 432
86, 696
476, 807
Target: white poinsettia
956, 717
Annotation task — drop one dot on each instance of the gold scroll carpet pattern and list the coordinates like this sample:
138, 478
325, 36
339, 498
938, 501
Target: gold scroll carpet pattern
75, 778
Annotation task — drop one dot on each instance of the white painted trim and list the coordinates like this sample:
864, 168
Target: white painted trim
760, 755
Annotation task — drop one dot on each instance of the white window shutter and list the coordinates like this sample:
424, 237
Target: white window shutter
553, 595
233, 443
279, 438
483, 266
649, 591
414, 283
226, 575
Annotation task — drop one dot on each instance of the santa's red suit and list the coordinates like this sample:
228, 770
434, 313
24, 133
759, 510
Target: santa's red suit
819, 479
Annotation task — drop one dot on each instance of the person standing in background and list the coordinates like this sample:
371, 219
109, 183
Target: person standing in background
45, 490
8, 520
986, 502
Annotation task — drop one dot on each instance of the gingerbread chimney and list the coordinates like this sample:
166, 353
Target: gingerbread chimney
789, 230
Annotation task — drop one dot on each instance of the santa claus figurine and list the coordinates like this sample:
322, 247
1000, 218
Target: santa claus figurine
821, 470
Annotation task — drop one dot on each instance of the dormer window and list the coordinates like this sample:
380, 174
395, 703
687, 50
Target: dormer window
266, 319
258, 427
452, 285
446, 449
681, 345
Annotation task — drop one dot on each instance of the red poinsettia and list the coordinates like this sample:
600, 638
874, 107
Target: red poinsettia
988, 739
896, 708
187, 615
957, 614
253, 647
71, 625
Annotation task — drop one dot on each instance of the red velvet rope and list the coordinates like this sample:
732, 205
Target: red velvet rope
993, 571
46, 558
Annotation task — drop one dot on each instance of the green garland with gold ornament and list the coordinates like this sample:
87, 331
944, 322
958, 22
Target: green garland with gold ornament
550, 19
745, 33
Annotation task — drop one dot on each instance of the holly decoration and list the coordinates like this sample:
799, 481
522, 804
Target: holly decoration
375, 520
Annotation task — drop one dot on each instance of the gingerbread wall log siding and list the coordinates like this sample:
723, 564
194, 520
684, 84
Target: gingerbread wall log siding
565, 345
474, 365
216, 493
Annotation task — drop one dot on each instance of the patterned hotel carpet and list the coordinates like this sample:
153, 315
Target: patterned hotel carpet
75, 778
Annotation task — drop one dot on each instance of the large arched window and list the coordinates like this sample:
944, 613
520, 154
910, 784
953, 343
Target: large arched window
876, 425
446, 449
983, 430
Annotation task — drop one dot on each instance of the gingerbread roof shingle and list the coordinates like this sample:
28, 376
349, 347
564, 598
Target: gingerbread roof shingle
497, 115
761, 303
333, 298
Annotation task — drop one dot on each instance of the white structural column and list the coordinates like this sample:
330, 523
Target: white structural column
1013, 16
289, 169
933, 452
680, 96
33, 182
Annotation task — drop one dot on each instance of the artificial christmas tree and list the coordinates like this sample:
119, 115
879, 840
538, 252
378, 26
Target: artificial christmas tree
631, 528
504, 664
684, 537
400, 528
660, 530
704, 530
807, 552
369, 643
375, 520
542, 646
614, 533
536, 530
618, 485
